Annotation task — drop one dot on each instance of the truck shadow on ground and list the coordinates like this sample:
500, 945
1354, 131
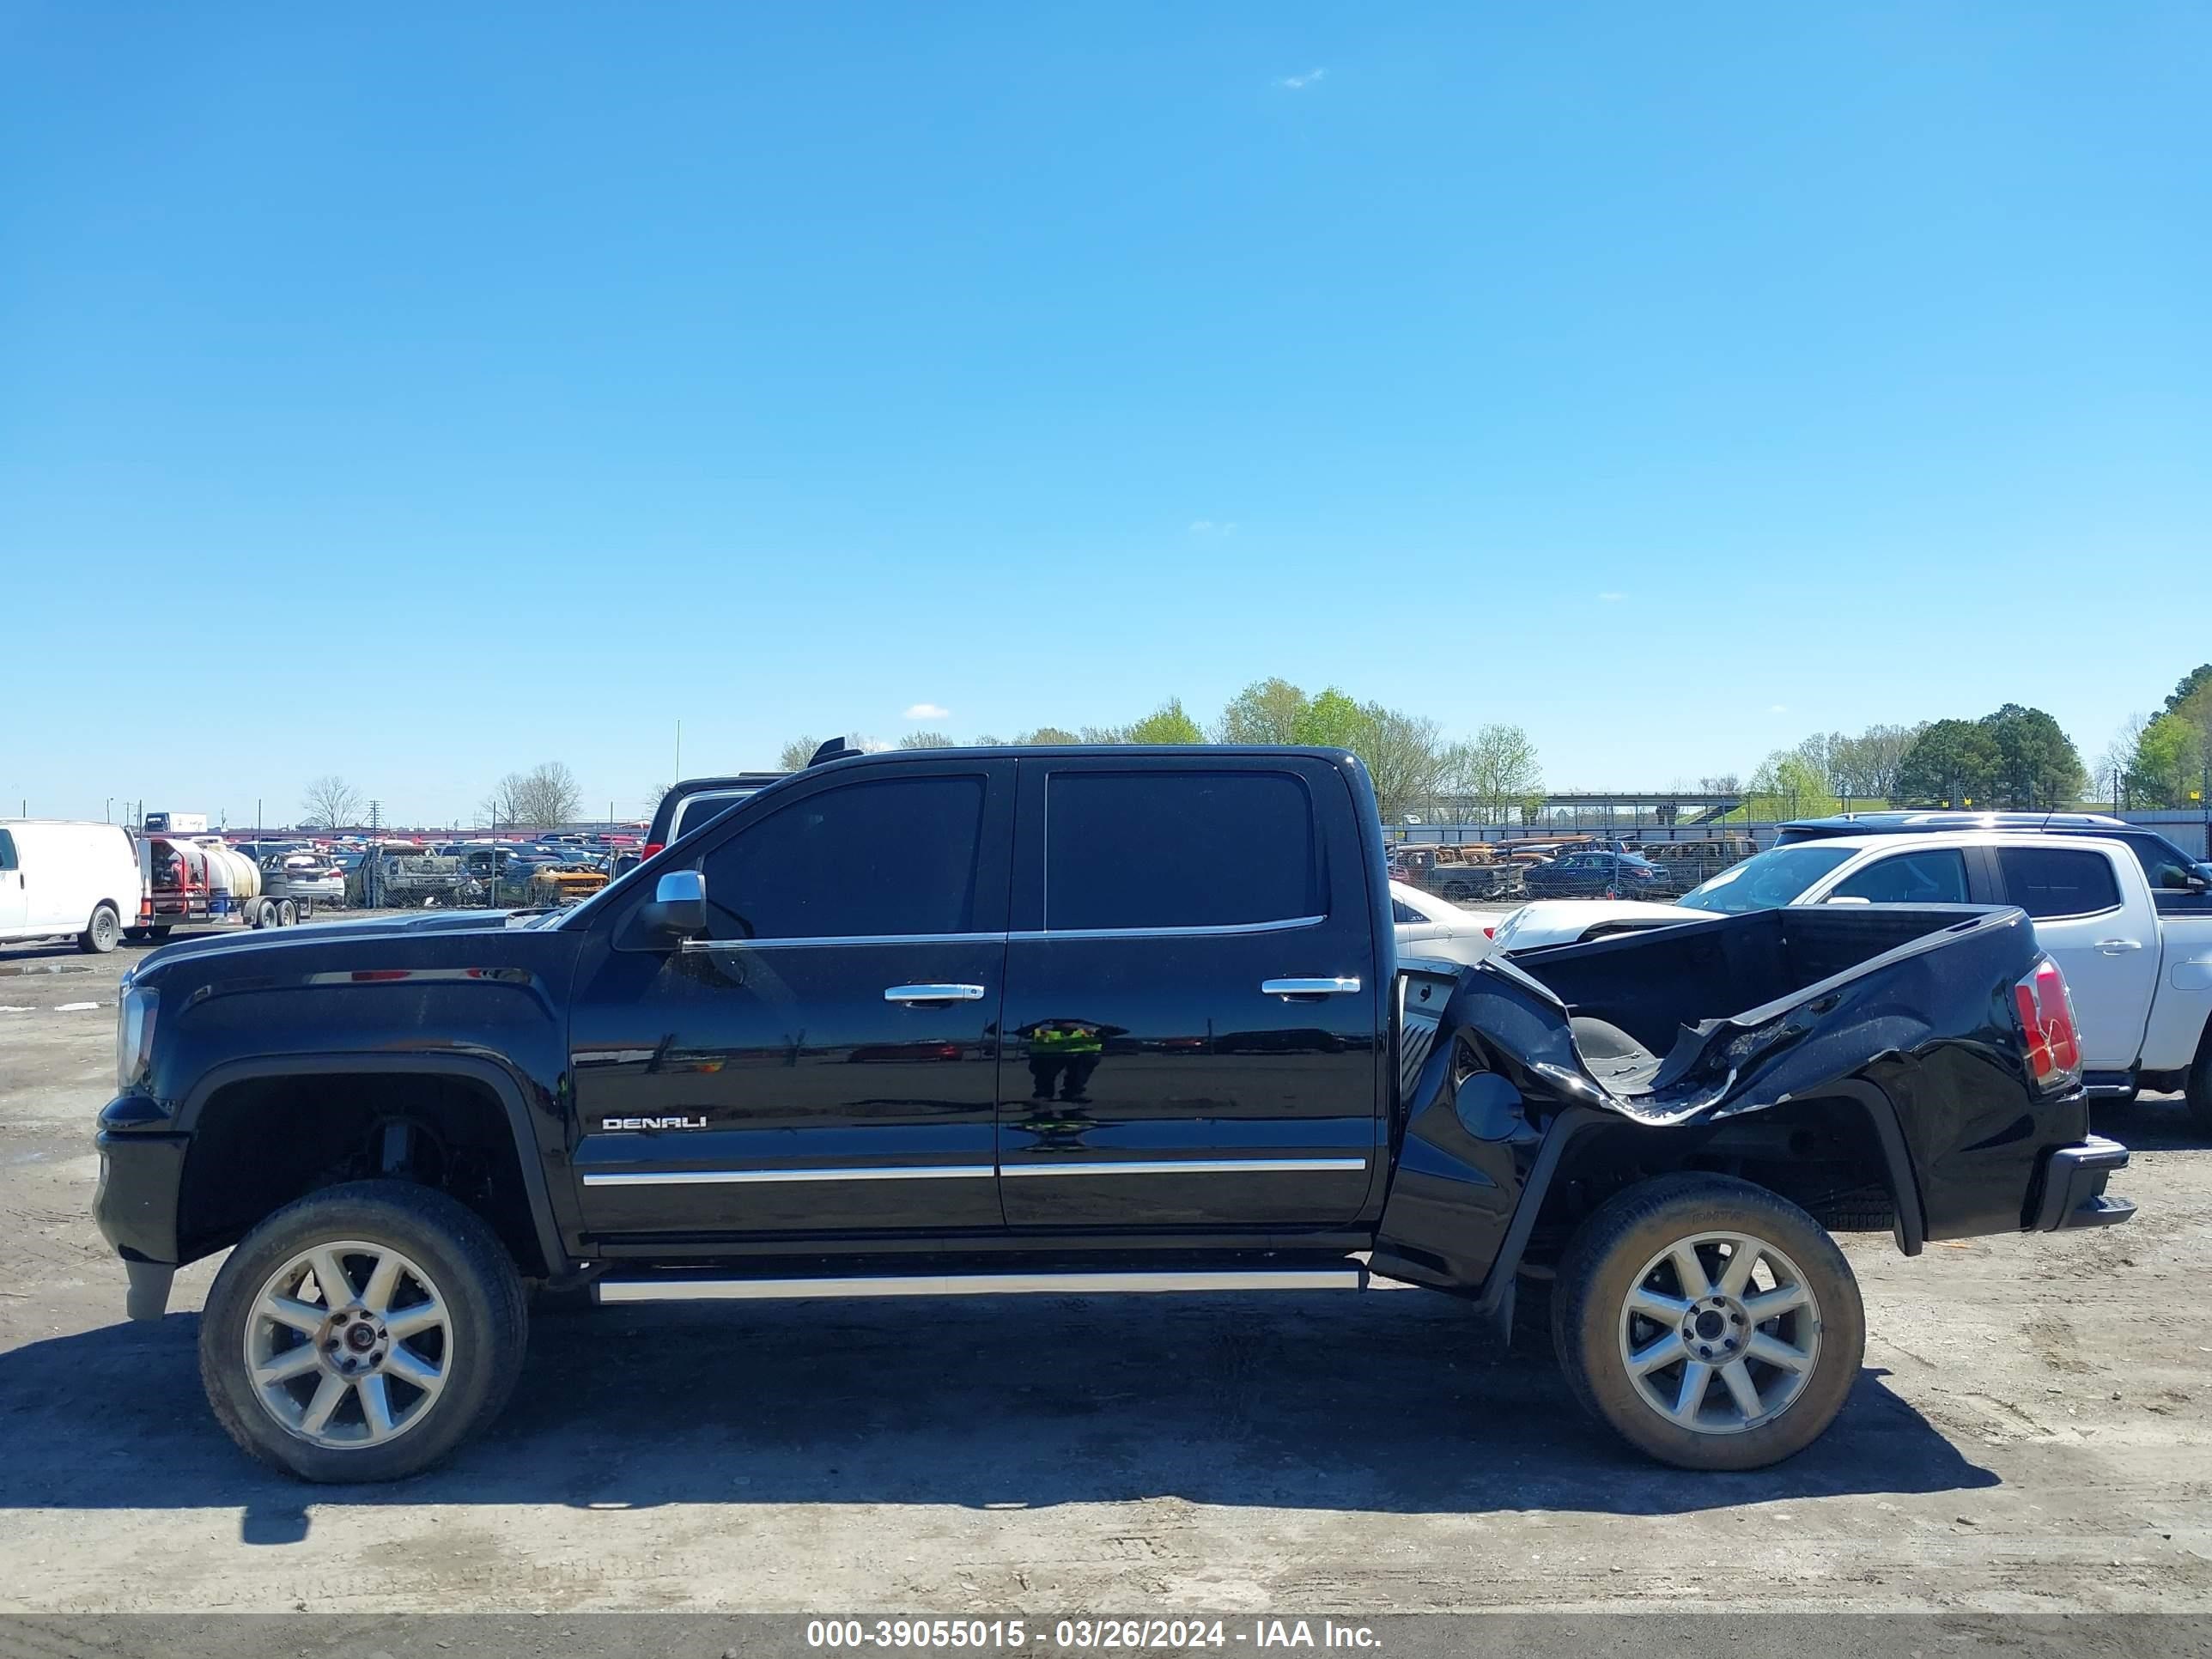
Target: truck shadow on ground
1386, 1402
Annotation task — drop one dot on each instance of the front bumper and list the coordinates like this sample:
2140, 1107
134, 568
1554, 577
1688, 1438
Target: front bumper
2074, 1187
135, 1204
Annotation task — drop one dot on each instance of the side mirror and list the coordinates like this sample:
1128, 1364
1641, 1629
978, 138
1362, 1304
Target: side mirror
678, 906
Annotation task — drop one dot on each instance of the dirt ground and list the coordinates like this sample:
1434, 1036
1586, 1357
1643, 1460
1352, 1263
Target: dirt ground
2030, 1434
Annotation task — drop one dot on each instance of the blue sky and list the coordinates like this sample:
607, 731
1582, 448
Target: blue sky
421, 393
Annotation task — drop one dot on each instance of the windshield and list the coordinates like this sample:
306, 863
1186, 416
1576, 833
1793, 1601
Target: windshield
1767, 882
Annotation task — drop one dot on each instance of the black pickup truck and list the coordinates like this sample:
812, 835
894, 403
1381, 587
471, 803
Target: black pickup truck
1072, 1021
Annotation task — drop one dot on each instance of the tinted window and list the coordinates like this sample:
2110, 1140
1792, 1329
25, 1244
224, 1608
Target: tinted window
891, 857
1403, 913
2050, 881
1177, 849
7, 851
1935, 876
2165, 866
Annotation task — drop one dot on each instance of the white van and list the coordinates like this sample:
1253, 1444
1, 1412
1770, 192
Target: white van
58, 877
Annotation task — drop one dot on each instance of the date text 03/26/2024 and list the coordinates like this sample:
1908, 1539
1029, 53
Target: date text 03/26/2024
1099, 1635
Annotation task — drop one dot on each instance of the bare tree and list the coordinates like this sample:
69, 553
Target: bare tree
794, 755
653, 797
331, 802
1046, 736
541, 797
2120, 757
1865, 768
1496, 769
926, 740
1404, 754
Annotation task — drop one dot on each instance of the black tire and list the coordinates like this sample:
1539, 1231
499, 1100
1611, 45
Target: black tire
287, 913
475, 1279
2199, 1094
264, 914
103, 933
157, 934
1590, 1323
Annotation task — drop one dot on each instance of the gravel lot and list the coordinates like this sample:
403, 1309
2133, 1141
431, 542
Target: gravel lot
2030, 1434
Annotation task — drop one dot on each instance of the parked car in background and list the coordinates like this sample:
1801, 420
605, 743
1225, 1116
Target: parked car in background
1593, 875
2141, 982
291, 885
2182, 884
1436, 928
688, 805
1686, 864
1455, 871
64, 878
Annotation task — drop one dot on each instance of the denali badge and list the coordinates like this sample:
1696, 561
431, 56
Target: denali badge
652, 1123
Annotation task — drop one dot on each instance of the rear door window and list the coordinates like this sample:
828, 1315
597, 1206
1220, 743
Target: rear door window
1937, 875
2165, 866
1173, 848
2054, 881
7, 851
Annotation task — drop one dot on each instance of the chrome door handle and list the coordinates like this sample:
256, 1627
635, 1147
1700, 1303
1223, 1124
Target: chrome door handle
2113, 947
1307, 987
933, 994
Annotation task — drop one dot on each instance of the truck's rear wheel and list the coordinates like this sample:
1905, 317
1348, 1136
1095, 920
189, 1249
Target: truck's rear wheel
287, 913
2200, 1091
1710, 1323
362, 1333
103, 933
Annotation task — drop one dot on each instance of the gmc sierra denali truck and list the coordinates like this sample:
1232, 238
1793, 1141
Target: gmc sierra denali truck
1076, 1021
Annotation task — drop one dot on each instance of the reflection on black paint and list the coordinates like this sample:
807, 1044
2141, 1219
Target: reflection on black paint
1063, 1054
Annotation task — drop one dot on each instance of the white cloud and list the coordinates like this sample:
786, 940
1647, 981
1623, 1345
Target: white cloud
1213, 527
1610, 598
928, 711
1300, 83
1777, 708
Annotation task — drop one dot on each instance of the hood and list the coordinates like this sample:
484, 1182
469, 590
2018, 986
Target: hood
1557, 922
325, 932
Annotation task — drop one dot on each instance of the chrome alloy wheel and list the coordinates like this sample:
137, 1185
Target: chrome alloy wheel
349, 1344
1720, 1333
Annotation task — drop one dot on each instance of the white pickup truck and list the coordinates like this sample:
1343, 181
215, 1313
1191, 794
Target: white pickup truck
2141, 982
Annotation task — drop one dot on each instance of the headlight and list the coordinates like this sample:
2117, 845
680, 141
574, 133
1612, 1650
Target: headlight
134, 1035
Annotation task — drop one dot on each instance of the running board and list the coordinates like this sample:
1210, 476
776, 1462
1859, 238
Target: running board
671, 1287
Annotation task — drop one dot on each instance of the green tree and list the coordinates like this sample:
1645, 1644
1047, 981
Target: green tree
2168, 762
926, 740
1166, 724
1494, 769
794, 755
1786, 785
1266, 711
1046, 737
2038, 765
2196, 683
1331, 720
1952, 762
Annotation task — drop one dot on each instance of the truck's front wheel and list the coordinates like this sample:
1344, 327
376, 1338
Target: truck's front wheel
1710, 1323
362, 1333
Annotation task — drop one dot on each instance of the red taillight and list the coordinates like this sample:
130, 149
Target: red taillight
2046, 1020
650, 848
1490, 933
